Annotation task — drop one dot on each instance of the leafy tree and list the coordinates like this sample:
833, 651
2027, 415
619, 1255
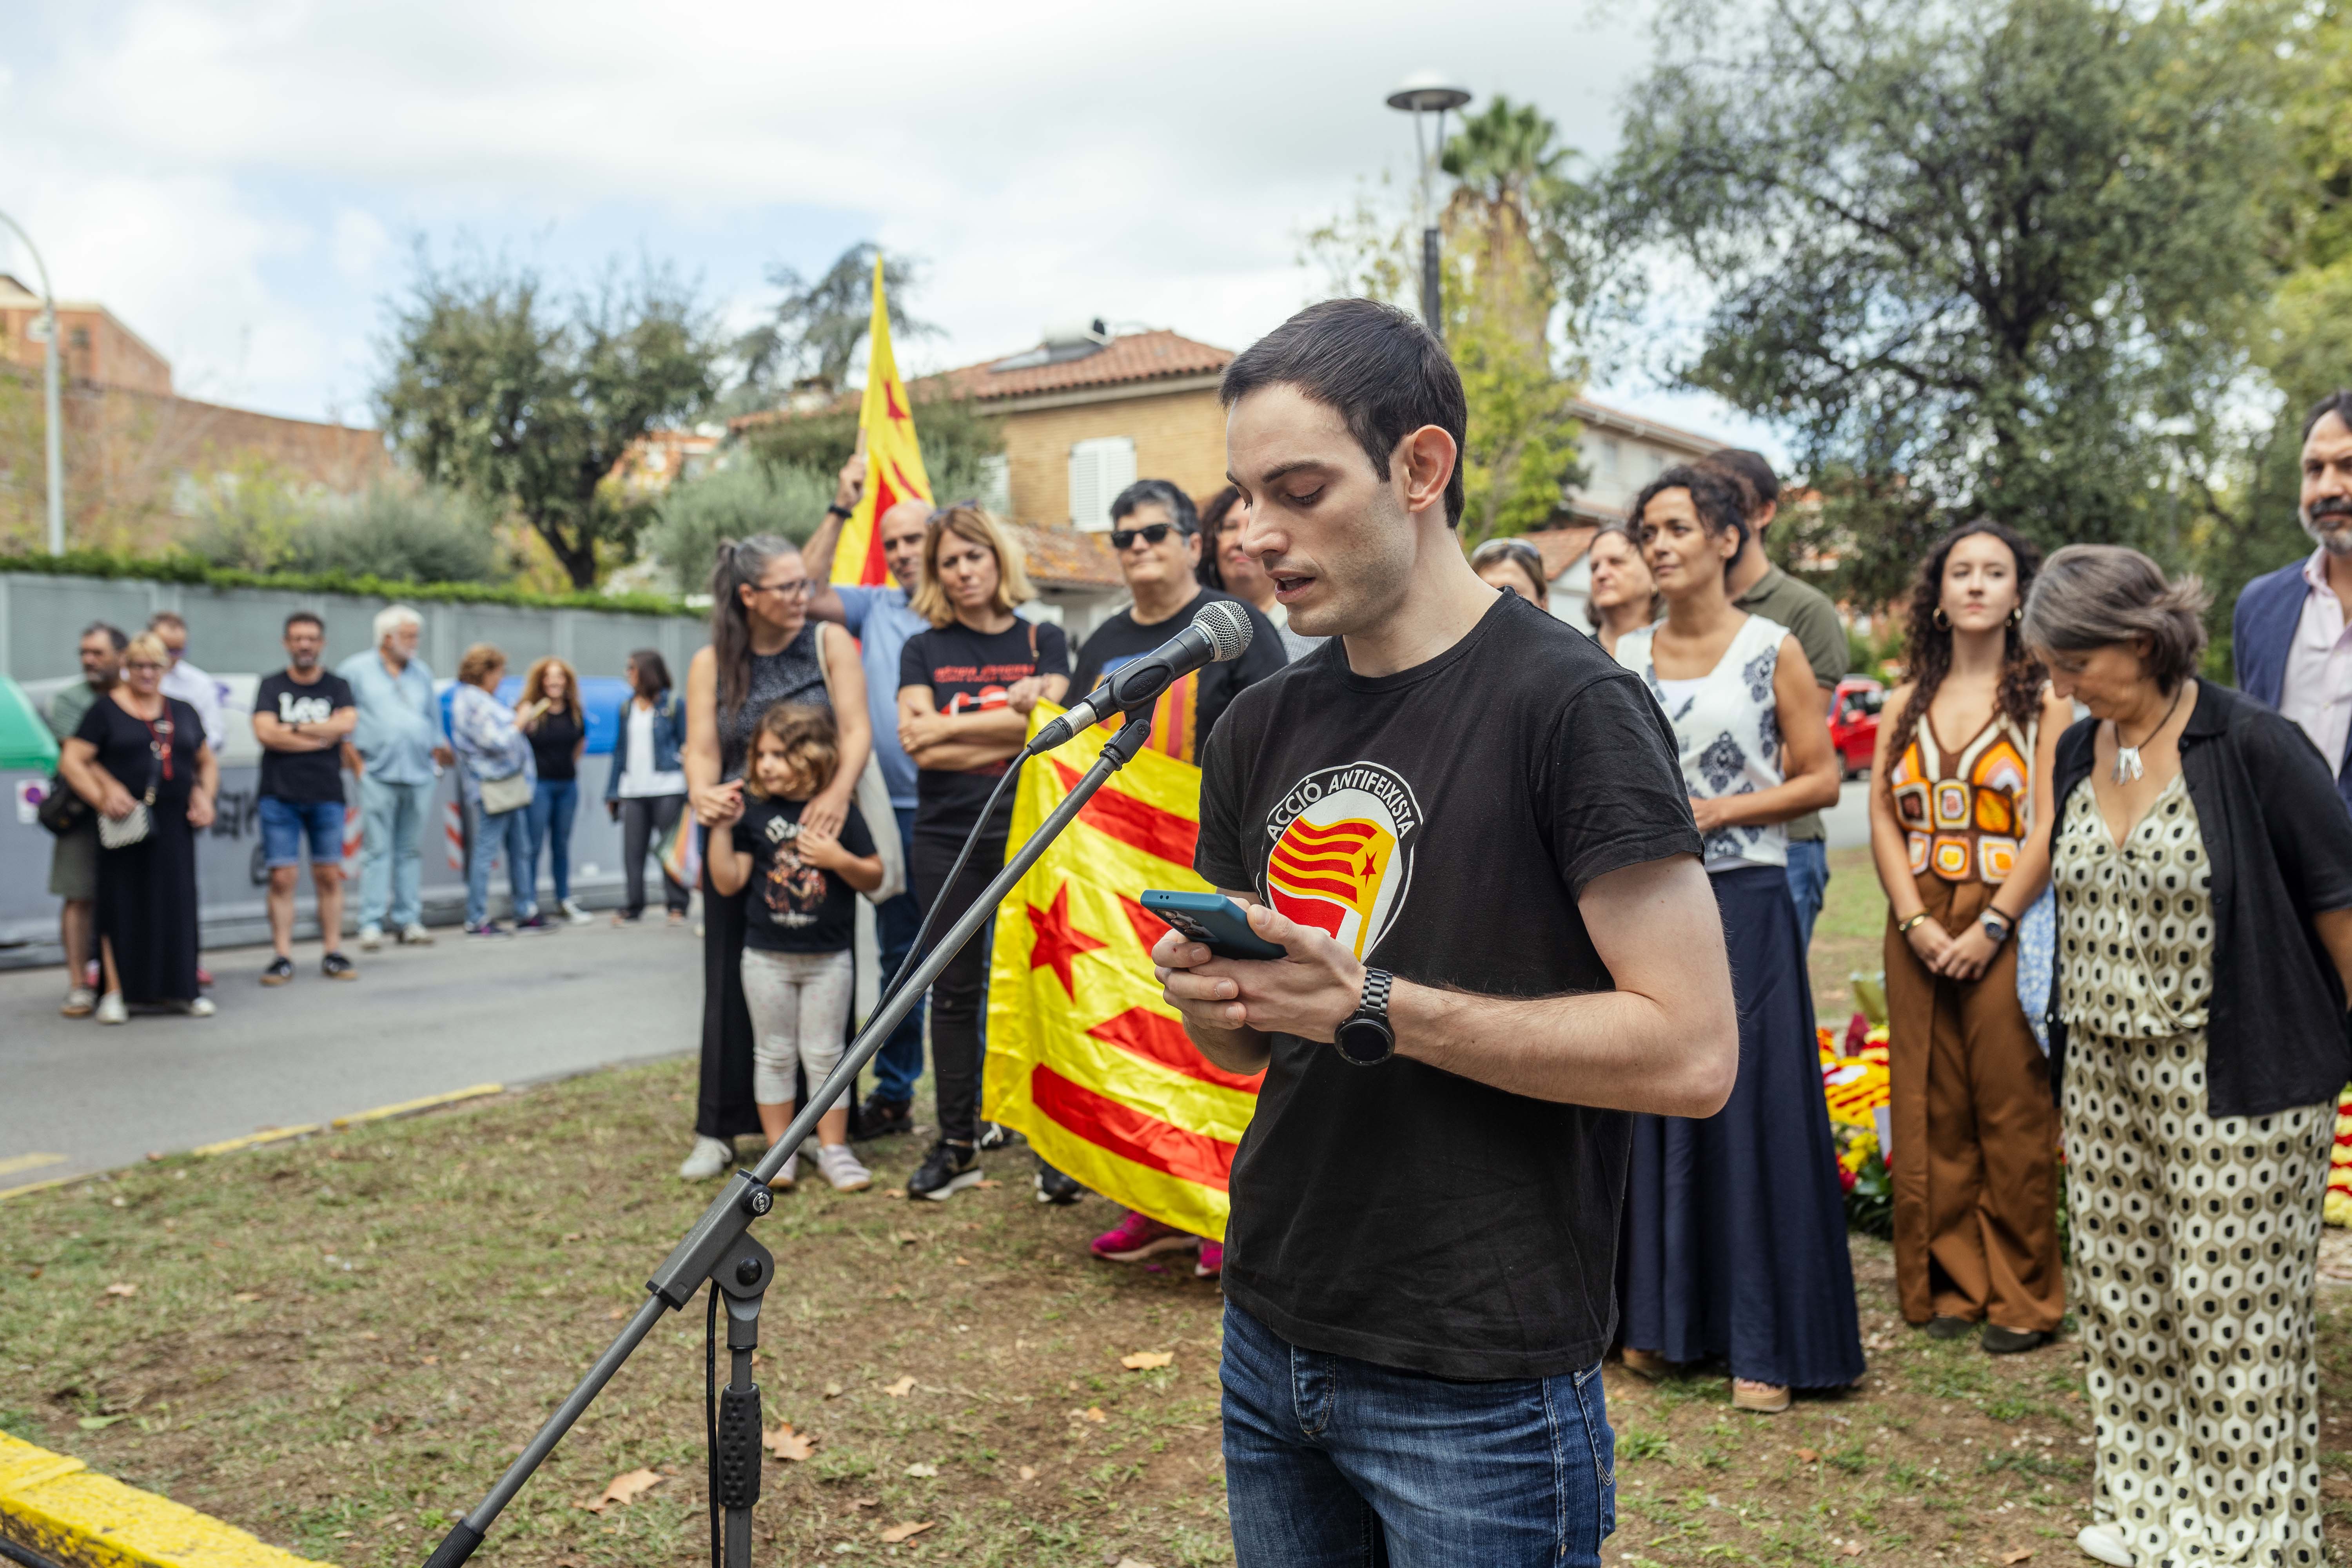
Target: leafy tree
1996, 256
818, 328
526, 402
733, 500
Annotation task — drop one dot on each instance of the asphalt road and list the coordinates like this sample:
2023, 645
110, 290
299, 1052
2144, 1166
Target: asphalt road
418, 1022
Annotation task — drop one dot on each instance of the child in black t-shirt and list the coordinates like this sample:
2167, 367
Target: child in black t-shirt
800, 909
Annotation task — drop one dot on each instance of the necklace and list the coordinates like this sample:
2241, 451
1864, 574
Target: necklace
2128, 763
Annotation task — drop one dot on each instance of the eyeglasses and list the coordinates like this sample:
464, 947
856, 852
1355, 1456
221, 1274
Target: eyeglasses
1151, 533
1495, 549
140, 663
797, 589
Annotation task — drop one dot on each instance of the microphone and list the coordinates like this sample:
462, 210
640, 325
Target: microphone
1219, 632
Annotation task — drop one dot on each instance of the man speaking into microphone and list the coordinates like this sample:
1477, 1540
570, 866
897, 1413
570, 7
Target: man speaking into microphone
1467, 826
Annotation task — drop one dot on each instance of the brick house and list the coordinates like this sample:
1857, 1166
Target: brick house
99, 350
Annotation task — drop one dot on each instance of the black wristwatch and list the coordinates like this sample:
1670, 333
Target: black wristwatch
839, 511
1364, 1037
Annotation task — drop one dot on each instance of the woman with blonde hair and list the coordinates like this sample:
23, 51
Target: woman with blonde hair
140, 758
965, 690
550, 715
764, 649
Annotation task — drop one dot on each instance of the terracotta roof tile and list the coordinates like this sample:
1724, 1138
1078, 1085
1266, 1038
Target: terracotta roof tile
1562, 547
1138, 356
1067, 558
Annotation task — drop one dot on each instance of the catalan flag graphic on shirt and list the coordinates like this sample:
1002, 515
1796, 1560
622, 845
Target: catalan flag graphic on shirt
1342, 853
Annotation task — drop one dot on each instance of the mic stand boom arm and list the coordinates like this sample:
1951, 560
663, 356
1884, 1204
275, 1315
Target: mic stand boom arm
713, 1248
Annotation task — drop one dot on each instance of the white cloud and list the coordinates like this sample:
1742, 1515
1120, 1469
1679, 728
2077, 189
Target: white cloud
237, 181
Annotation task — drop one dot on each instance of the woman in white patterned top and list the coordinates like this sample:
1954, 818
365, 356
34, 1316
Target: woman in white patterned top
1735, 1228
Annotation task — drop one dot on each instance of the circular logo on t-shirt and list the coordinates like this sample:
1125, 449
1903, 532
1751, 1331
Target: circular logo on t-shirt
1342, 857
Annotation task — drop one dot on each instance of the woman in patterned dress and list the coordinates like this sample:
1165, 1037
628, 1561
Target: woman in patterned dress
765, 649
1735, 1229
1959, 828
2203, 866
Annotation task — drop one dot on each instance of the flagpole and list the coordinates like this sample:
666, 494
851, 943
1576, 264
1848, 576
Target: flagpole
714, 1242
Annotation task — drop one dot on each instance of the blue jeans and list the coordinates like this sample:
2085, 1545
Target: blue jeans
1331, 1462
390, 858
1808, 883
508, 832
287, 827
552, 802
900, 1062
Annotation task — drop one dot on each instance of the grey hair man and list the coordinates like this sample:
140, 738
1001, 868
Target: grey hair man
402, 751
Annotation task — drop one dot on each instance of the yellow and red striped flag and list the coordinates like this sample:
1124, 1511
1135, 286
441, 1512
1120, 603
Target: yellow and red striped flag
894, 460
1084, 1057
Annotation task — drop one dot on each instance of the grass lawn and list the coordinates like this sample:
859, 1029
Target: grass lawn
338, 1343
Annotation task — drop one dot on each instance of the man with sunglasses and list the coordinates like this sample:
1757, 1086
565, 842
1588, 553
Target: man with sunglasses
1157, 536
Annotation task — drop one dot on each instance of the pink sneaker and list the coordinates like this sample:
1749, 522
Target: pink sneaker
1137, 1238
1212, 1261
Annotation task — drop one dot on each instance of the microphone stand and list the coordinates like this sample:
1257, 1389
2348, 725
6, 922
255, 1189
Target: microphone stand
719, 1249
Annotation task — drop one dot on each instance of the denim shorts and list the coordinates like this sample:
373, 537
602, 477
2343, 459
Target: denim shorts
285, 823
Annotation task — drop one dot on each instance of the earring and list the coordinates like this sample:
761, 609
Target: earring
2016, 614
1943, 622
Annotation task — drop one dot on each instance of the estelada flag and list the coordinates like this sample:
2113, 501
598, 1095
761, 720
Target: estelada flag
1084, 1057
894, 461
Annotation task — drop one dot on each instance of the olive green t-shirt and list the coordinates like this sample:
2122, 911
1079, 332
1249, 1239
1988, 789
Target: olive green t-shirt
1813, 621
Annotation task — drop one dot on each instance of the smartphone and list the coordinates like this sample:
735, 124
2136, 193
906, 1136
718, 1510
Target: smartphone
1212, 920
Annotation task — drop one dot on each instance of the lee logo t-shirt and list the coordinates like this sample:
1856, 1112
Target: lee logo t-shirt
1441, 823
305, 776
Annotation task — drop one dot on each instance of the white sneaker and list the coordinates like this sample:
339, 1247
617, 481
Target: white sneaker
201, 1007
80, 1001
711, 1157
576, 914
788, 1177
413, 934
840, 1167
371, 938
2105, 1542
110, 1009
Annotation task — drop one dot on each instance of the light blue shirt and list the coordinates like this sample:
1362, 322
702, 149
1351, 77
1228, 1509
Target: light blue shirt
881, 621
400, 723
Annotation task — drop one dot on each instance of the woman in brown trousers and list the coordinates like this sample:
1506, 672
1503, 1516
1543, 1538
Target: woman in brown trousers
1959, 826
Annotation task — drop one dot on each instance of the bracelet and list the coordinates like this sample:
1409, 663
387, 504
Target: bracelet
839, 511
1905, 928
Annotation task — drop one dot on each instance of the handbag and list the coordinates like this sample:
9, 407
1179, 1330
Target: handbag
123, 832
511, 793
873, 798
62, 811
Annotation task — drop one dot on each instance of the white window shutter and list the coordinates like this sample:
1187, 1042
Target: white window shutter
1100, 470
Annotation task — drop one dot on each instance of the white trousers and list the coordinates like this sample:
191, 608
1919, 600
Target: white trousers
800, 1009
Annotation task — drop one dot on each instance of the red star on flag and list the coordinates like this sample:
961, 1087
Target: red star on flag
1057, 941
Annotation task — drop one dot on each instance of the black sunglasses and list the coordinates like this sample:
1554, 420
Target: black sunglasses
1151, 533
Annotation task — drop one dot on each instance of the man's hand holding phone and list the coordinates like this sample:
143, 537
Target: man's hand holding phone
1308, 992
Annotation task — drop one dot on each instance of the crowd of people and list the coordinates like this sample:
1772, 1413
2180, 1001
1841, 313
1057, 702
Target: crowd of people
2119, 931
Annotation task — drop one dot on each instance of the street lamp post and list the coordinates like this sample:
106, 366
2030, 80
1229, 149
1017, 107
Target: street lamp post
1420, 94
49, 391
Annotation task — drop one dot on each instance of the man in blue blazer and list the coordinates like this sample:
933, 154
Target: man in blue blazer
2290, 636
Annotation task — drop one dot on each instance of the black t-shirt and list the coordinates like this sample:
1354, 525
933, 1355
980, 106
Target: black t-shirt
967, 671
303, 776
1445, 818
789, 905
552, 743
1188, 710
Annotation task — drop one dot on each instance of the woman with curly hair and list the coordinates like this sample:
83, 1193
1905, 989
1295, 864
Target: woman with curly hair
1959, 828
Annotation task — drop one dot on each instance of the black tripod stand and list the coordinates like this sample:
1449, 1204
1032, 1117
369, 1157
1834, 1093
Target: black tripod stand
719, 1249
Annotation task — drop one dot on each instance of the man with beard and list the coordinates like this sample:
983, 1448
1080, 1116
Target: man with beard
2289, 636
301, 716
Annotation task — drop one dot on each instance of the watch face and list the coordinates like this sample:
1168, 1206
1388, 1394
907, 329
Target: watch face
1364, 1041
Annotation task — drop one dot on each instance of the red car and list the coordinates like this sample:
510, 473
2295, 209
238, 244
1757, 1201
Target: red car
1854, 723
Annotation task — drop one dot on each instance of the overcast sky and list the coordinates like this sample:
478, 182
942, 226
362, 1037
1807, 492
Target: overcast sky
243, 184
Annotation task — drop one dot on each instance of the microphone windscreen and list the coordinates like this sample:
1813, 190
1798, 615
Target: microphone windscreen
1227, 626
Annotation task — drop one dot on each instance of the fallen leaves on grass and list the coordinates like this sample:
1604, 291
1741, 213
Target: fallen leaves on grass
1851, 1549
120, 1289
1144, 1361
903, 1239
1131, 1563
1028, 1472
899, 1533
625, 1487
1806, 1456
2020, 1555
893, 1191
922, 1470
900, 1389
1091, 1412
247, 1296
832, 1391
963, 1262
99, 1423
787, 1444
988, 1181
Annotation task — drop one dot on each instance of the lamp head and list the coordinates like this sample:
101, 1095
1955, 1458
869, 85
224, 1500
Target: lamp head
1428, 91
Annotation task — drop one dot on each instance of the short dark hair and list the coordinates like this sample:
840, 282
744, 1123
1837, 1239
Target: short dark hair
114, 634
1719, 499
2338, 402
1383, 373
1147, 492
652, 672
299, 616
1750, 469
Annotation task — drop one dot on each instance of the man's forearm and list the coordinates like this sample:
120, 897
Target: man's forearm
1242, 1051
1614, 1049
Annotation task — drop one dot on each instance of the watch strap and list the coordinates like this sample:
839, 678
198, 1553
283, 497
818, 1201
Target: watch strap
1374, 1003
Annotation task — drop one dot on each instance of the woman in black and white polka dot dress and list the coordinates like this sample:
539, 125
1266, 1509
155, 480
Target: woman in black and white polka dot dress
2203, 868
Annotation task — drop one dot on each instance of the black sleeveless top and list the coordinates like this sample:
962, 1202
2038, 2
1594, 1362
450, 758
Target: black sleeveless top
794, 673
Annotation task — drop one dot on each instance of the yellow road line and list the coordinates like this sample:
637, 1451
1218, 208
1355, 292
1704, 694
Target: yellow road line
7, 1193
254, 1139
15, 1162
58, 1508
384, 1112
